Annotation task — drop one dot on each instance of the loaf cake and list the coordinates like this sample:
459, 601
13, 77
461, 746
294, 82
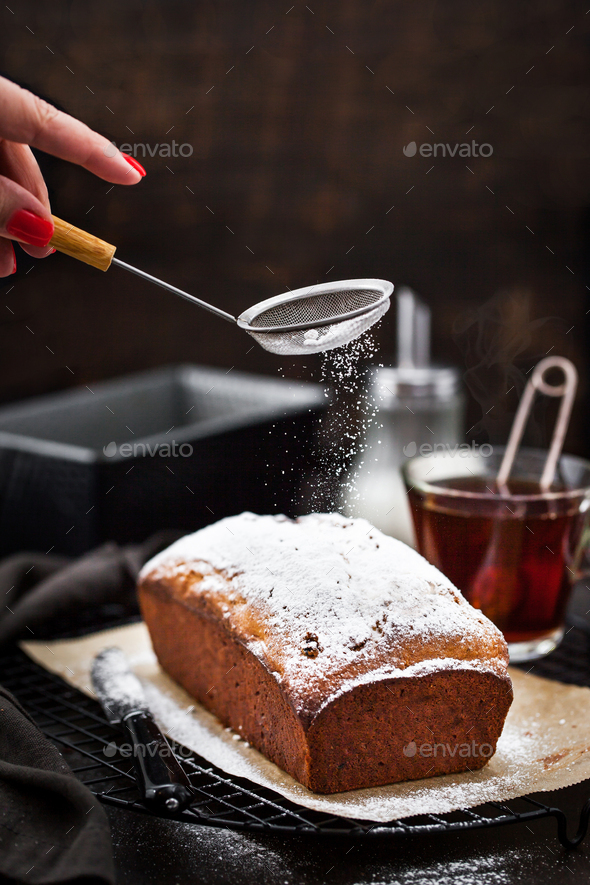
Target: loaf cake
338, 652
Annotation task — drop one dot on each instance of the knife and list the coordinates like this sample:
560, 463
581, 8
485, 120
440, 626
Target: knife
160, 778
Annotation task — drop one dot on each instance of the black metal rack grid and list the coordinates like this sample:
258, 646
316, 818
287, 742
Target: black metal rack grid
78, 727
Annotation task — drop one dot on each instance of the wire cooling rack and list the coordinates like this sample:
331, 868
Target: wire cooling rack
77, 726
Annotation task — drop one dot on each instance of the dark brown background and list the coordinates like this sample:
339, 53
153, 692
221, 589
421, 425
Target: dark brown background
297, 152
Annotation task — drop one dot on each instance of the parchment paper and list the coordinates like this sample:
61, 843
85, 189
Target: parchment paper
545, 744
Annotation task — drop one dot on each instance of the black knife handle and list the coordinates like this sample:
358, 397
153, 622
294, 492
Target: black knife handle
160, 778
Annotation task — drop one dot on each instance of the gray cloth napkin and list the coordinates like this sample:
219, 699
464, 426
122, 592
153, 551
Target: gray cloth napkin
52, 829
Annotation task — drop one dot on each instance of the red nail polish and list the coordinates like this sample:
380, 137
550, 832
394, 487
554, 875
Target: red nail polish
30, 228
13, 259
133, 162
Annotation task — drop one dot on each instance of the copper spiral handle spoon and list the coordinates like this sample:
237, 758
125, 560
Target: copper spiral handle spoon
567, 392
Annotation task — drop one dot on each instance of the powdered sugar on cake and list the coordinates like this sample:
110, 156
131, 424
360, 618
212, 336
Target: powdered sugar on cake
328, 602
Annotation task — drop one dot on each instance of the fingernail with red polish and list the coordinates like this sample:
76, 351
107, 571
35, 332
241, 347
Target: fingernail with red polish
13, 259
30, 228
133, 162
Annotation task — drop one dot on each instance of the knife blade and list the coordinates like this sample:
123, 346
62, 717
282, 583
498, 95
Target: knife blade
160, 778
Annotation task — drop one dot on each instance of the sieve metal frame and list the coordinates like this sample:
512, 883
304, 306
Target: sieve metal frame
384, 287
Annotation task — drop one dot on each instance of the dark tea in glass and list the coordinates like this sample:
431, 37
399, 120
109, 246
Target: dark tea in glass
513, 551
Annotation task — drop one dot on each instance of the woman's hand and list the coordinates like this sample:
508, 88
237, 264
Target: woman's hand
25, 214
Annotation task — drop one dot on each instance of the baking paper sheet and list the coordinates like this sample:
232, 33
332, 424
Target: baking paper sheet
545, 744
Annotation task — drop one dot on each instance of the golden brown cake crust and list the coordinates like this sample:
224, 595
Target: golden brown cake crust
384, 656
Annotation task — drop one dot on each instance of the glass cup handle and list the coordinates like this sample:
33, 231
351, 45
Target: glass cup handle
580, 570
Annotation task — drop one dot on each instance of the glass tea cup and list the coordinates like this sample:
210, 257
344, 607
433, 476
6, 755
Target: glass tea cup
513, 551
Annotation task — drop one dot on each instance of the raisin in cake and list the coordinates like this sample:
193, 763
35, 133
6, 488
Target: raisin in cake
338, 652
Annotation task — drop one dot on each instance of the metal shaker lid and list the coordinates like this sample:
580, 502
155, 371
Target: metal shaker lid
399, 383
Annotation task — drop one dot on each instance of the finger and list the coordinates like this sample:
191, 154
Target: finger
28, 119
7, 258
23, 217
37, 251
18, 163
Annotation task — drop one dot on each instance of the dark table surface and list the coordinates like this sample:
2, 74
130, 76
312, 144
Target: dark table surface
152, 850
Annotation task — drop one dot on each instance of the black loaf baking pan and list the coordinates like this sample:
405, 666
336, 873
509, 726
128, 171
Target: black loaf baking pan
177, 447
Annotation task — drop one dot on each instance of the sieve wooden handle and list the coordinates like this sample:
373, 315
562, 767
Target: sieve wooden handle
81, 245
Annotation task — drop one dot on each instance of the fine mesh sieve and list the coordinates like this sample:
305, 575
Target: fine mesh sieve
302, 321
317, 318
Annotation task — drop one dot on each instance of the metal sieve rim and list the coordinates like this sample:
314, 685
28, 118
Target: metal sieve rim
382, 288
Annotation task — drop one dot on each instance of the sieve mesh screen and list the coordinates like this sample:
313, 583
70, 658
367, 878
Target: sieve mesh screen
316, 307
320, 338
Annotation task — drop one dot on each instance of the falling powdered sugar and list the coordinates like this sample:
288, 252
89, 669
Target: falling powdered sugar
343, 428
340, 368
